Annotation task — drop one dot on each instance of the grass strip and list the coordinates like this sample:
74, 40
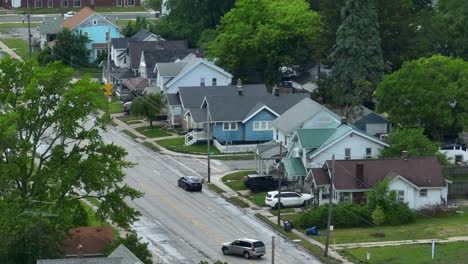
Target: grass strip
257, 198
236, 176
128, 118
313, 249
151, 146
19, 46
215, 188
235, 157
238, 202
152, 132
130, 134
283, 211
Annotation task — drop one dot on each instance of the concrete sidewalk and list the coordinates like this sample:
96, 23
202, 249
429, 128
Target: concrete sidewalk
9, 51
398, 243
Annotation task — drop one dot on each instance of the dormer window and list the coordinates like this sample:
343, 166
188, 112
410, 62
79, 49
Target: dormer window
94, 22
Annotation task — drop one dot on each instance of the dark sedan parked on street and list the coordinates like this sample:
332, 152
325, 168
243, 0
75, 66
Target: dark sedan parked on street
190, 183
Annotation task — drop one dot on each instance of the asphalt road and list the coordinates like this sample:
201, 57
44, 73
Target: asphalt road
111, 16
185, 227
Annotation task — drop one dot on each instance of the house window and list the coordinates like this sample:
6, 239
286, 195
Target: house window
50, 4
202, 81
94, 22
345, 197
368, 153
262, 125
347, 153
423, 193
107, 35
85, 34
228, 126
37, 3
77, 3
65, 3
119, 2
213, 81
131, 2
276, 134
401, 196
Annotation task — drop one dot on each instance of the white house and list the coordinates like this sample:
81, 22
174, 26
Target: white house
457, 154
417, 182
190, 71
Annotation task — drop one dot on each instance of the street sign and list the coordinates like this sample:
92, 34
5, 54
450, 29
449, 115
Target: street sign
212, 153
108, 87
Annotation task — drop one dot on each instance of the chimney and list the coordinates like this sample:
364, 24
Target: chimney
277, 91
360, 174
240, 90
404, 154
198, 54
344, 120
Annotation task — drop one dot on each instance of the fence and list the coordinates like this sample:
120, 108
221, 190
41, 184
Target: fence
456, 171
458, 190
229, 148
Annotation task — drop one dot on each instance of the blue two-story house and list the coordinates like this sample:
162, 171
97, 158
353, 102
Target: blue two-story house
239, 116
97, 28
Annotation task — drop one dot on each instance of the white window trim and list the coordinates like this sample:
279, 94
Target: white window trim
403, 196
423, 195
257, 126
95, 22
231, 127
347, 157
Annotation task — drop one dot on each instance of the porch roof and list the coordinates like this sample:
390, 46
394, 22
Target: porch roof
294, 167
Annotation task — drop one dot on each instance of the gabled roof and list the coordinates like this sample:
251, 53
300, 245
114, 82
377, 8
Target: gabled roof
135, 49
137, 83
170, 69
127, 256
51, 25
237, 108
294, 167
422, 172
270, 150
142, 35
314, 137
192, 96
119, 43
78, 18
93, 241
191, 62
303, 111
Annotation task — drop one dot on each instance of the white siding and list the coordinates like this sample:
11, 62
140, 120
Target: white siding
323, 119
373, 129
412, 197
451, 153
193, 77
356, 143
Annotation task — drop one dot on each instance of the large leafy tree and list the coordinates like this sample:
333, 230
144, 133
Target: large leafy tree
53, 156
148, 106
70, 48
187, 18
357, 58
257, 37
430, 92
133, 27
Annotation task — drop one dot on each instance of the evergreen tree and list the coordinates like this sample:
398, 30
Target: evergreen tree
357, 59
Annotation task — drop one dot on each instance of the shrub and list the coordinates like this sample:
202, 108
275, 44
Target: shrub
399, 214
378, 216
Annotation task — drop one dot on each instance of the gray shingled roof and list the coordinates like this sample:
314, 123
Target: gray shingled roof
198, 114
122, 73
170, 69
119, 43
237, 108
127, 256
160, 56
141, 35
192, 96
81, 261
51, 25
173, 99
294, 117
135, 48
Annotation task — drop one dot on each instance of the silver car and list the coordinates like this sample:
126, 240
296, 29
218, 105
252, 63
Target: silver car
245, 247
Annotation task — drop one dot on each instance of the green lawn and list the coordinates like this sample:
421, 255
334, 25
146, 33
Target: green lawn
238, 202
151, 146
236, 185
177, 145
93, 219
115, 107
236, 176
153, 132
423, 228
130, 118
5, 27
18, 45
130, 134
124, 22
454, 252
258, 198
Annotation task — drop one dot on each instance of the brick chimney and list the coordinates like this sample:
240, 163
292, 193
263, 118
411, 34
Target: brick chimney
240, 90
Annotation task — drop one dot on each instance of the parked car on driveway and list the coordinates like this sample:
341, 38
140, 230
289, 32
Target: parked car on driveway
190, 183
69, 14
288, 199
244, 247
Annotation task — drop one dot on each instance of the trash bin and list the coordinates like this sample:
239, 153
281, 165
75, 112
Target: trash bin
312, 231
287, 226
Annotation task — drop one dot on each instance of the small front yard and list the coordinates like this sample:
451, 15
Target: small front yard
425, 227
130, 119
19, 46
153, 132
235, 180
257, 198
178, 145
5, 27
453, 252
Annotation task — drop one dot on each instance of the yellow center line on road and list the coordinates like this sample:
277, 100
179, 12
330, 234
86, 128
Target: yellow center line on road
178, 210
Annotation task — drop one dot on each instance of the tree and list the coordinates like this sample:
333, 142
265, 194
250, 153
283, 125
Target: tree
52, 158
154, 4
381, 195
431, 92
357, 59
133, 27
70, 48
256, 38
132, 242
378, 216
148, 106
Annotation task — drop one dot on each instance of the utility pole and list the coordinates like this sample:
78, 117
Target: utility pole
279, 183
208, 136
330, 205
108, 55
29, 28
273, 250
